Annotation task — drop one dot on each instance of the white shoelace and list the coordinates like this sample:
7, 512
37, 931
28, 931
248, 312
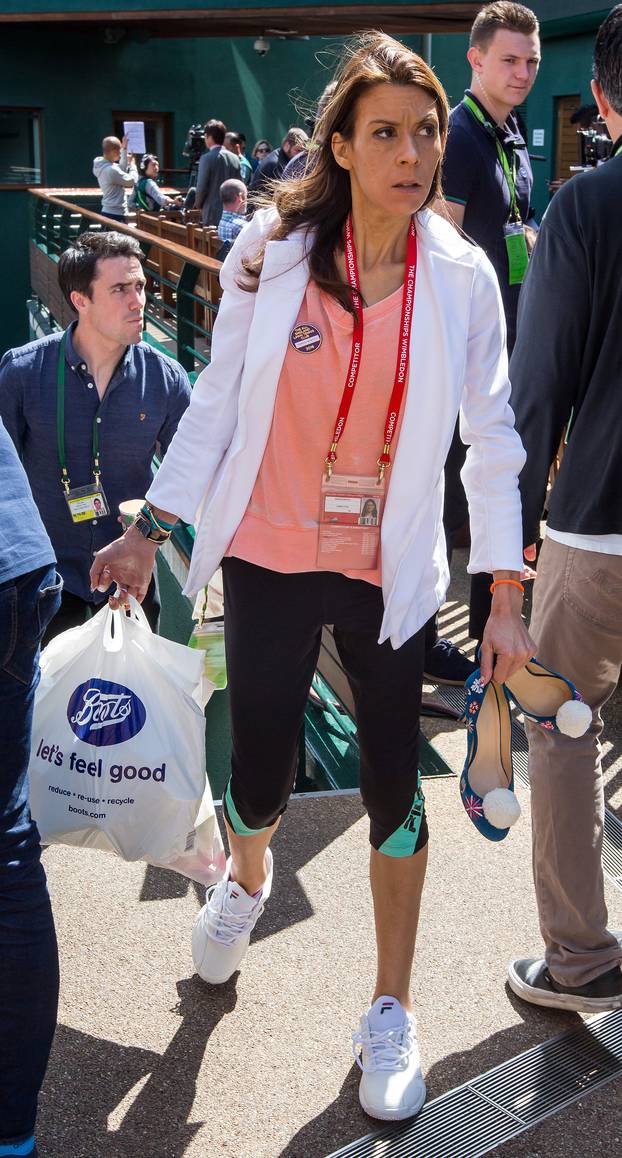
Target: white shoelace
225, 926
389, 1049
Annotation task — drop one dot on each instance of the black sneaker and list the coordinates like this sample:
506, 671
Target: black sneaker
446, 664
530, 979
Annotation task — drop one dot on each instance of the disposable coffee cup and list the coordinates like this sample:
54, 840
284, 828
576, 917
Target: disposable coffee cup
129, 509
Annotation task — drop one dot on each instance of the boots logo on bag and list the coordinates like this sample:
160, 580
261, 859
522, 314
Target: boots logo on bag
103, 713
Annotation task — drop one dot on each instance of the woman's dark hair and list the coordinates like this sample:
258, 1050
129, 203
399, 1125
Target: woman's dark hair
322, 199
145, 160
77, 265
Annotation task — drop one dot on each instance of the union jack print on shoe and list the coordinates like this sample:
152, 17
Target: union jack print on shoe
487, 781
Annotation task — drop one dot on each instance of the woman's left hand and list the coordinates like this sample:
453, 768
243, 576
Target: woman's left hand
507, 645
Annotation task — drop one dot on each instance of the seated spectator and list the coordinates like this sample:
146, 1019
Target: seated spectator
147, 195
116, 173
233, 142
272, 166
233, 196
261, 150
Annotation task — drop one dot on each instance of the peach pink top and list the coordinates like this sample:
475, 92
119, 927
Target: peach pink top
280, 527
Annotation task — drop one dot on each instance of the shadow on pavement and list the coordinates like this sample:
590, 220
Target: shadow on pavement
88, 1078
344, 1122
309, 826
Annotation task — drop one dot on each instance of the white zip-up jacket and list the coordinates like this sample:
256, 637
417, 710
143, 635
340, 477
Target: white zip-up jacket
458, 364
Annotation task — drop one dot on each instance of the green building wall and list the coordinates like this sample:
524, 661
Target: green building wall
78, 81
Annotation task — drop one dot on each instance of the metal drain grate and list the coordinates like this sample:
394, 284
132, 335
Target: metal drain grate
612, 837
475, 1118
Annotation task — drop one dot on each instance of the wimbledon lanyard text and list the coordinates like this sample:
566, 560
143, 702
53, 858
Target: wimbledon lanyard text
401, 369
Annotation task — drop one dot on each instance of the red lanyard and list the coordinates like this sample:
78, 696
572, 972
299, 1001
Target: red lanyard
401, 368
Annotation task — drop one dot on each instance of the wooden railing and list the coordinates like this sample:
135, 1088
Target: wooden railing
183, 290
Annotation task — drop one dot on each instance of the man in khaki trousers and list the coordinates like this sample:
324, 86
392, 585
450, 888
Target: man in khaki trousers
566, 374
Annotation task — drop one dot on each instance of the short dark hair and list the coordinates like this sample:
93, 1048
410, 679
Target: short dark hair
216, 130
234, 138
607, 67
77, 265
145, 160
501, 14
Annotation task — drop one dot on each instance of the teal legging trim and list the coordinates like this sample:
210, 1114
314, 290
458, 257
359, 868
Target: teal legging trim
403, 842
234, 818
15, 1149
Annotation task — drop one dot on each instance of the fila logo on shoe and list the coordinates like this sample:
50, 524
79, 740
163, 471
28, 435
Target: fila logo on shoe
386, 1005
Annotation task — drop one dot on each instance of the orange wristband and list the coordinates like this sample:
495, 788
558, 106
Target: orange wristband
513, 582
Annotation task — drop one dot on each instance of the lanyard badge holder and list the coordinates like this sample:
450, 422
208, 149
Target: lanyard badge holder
352, 505
513, 230
87, 502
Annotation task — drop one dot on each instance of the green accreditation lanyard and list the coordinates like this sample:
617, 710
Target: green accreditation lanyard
514, 231
618, 151
84, 502
60, 425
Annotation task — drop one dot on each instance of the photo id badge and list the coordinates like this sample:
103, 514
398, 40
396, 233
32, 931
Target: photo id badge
518, 256
350, 517
87, 503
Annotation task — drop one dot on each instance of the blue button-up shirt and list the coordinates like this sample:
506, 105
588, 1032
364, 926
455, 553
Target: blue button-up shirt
24, 545
142, 406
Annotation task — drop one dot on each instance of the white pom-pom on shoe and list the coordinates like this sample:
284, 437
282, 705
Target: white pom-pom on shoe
501, 807
574, 718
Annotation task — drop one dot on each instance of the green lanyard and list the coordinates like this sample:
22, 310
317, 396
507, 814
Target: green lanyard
60, 423
618, 151
509, 174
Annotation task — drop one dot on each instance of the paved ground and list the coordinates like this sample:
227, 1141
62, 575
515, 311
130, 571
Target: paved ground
149, 1062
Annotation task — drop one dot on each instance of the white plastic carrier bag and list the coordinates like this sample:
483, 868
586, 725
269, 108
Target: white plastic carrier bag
118, 747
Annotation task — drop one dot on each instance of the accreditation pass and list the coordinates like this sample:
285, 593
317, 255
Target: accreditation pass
350, 517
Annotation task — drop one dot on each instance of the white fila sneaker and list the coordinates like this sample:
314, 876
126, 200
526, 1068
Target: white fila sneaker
224, 925
392, 1085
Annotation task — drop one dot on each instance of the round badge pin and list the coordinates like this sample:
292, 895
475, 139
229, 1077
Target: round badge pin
305, 338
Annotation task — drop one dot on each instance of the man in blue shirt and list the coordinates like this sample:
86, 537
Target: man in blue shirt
87, 409
233, 195
29, 597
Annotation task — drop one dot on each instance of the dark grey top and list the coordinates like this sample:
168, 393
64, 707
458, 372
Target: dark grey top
142, 406
567, 362
215, 166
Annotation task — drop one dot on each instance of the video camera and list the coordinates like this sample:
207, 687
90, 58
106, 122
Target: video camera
595, 147
195, 145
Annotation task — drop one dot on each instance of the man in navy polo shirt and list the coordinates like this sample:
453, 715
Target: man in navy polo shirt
86, 411
487, 178
487, 183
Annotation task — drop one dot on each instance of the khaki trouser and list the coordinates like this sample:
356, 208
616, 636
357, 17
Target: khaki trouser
577, 626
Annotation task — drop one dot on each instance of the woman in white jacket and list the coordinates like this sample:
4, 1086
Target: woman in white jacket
355, 325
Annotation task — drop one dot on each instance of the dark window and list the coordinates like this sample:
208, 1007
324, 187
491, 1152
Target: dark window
21, 147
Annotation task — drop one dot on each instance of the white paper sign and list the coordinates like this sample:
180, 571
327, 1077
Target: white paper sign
135, 133
537, 138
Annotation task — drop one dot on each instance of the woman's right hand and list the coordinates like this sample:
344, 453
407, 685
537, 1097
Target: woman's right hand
128, 562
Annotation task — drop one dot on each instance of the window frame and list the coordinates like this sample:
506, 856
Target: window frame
8, 185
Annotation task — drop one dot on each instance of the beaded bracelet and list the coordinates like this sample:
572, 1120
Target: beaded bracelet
512, 582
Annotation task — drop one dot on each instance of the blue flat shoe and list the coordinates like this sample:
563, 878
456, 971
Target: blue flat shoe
487, 782
549, 699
